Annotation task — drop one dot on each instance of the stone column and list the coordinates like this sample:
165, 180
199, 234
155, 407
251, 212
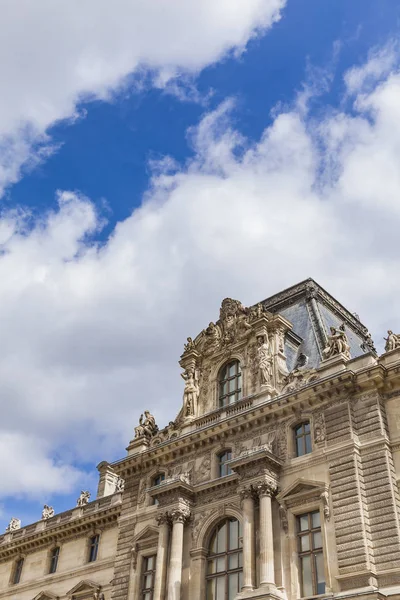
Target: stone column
161, 562
248, 539
267, 571
178, 516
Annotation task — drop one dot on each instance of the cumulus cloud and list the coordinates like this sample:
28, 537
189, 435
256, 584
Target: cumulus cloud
91, 334
53, 55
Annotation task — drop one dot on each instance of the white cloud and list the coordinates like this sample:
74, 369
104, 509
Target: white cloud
91, 335
54, 54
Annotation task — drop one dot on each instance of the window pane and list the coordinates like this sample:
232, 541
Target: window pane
211, 589
299, 447
221, 564
240, 580
233, 585
220, 588
233, 561
232, 370
304, 543
308, 443
147, 596
317, 539
316, 520
307, 427
303, 522
213, 544
149, 563
233, 534
306, 576
221, 541
320, 573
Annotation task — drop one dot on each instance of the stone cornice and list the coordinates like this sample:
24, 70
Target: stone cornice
97, 515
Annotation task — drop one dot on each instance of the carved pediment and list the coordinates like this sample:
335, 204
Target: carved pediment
46, 596
302, 491
83, 588
149, 533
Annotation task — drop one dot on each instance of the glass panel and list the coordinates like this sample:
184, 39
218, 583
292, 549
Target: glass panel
303, 523
307, 427
211, 589
306, 576
308, 443
316, 520
240, 580
232, 385
232, 399
232, 369
148, 580
233, 534
317, 539
221, 541
299, 446
233, 562
233, 585
221, 564
220, 595
239, 395
211, 567
213, 544
320, 573
304, 543
147, 596
150, 563
241, 559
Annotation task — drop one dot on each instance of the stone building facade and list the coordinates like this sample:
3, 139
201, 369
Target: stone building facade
279, 478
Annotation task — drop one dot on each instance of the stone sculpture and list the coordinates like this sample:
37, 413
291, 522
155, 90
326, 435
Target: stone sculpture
264, 360
83, 498
120, 485
392, 341
337, 343
14, 524
191, 392
147, 426
47, 512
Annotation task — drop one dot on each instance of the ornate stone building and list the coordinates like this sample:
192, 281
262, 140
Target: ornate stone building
277, 480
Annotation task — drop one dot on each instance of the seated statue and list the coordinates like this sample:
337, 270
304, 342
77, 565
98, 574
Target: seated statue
392, 341
337, 343
147, 427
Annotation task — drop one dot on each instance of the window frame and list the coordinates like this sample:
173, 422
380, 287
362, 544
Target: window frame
93, 556
54, 558
301, 438
225, 555
144, 573
221, 465
153, 482
224, 399
17, 570
310, 552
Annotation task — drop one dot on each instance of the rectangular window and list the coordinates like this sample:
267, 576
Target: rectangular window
93, 547
148, 575
55, 553
302, 438
309, 536
18, 570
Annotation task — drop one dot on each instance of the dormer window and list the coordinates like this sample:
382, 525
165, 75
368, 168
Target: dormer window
302, 438
230, 383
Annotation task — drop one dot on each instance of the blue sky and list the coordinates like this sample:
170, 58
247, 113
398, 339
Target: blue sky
148, 175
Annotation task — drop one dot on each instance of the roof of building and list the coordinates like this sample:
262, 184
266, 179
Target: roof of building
312, 311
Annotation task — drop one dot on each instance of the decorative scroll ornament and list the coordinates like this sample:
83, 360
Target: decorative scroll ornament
337, 343
83, 498
13, 525
392, 341
47, 512
147, 426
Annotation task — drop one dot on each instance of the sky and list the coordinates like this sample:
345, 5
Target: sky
155, 158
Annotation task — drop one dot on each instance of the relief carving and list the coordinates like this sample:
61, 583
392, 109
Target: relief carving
319, 427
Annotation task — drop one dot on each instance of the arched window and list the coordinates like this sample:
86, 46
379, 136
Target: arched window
225, 561
156, 481
223, 468
230, 383
302, 438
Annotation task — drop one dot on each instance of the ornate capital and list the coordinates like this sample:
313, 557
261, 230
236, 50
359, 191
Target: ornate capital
180, 515
246, 493
163, 518
266, 488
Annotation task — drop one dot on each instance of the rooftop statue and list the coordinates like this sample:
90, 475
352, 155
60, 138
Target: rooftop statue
392, 341
47, 512
337, 343
147, 426
83, 498
13, 525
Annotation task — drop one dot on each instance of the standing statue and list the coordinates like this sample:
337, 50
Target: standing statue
337, 343
83, 498
120, 485
147, 426
191, 392
13, 525
392, 341
189, 345
264, 360
47, 512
